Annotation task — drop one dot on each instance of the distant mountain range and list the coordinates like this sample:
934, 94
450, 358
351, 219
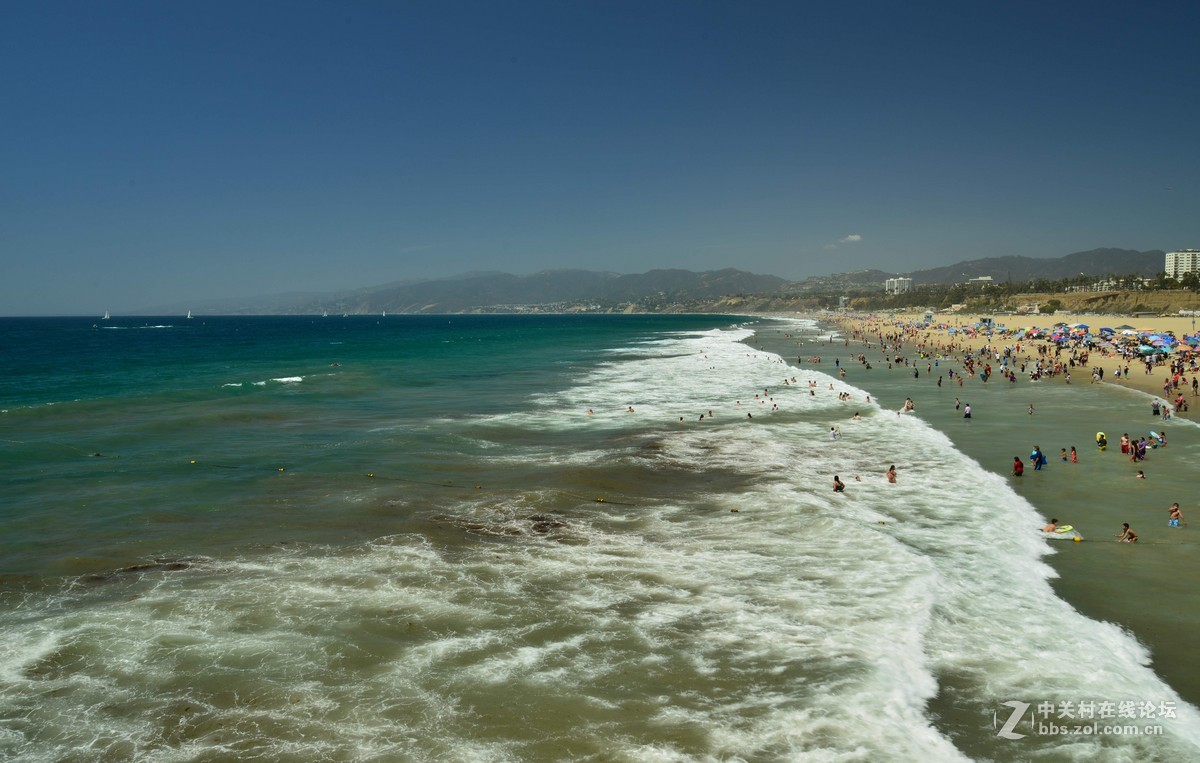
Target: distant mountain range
553, 290
1094, 262
504, 292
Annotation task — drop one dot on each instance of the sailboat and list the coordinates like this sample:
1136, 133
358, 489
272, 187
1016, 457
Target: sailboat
385, 313
105, 318
325, 314
189, 315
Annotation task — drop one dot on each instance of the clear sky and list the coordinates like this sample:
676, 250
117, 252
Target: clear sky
158, 152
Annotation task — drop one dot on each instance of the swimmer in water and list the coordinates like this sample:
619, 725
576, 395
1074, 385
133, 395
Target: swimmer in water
891, 474
838, 485
1126, 535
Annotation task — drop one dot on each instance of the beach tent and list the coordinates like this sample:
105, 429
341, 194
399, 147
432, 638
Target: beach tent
1125, 327
1107, 331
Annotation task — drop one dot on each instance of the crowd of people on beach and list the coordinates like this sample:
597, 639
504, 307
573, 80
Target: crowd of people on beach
946, 357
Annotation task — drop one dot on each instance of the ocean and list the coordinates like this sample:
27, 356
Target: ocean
515, 538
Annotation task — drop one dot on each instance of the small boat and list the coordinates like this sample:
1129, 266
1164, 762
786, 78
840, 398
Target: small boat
189, 315
105, 318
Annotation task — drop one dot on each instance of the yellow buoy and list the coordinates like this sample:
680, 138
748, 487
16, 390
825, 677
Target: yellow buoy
1077, 539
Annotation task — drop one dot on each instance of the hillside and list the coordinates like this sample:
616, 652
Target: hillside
1094, 262
501, 292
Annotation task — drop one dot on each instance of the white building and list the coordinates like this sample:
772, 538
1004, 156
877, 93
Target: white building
1182, 261
897, 285
980, 281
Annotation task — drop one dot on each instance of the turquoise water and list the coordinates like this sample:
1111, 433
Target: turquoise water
166, 436
449, 538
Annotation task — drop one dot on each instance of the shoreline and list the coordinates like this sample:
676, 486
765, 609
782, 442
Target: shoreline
1104, 581
1138, 379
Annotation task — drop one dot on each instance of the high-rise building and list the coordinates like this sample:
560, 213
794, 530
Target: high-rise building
1182, 261
897, 285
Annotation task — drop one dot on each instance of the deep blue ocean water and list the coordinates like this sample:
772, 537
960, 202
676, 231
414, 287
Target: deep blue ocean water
514, 538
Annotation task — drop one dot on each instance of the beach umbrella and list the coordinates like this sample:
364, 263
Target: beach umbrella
1145, 349
1107, 331
1083, 326
1128, 331
1125, 327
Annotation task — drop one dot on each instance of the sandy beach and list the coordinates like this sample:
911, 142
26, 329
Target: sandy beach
956, 335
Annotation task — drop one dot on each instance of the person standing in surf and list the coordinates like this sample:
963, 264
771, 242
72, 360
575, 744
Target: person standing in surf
1175, 516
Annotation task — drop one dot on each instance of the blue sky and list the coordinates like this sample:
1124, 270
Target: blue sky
154, 153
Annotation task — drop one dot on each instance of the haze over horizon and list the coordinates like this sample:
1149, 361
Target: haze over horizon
156, 153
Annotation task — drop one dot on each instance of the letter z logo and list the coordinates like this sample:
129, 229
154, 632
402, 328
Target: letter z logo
1018, 712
